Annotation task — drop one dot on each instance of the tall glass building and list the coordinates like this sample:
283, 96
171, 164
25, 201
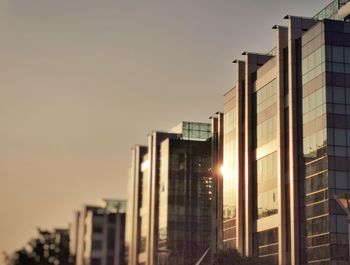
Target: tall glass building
184, 201
169, 218
286, 145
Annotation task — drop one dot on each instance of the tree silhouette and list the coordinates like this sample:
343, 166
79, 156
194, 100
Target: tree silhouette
230, 256
49, 248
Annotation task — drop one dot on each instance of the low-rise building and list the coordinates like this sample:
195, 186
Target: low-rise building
99, 239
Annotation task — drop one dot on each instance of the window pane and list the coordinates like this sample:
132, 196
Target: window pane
339, 137
337, 54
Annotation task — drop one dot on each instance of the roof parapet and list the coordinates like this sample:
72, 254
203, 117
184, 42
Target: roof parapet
279, 27
256, 53
237, 61
291, 16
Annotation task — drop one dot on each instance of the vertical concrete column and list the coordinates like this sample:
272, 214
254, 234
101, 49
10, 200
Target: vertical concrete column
250, 67
253, 62
220, 121
154, 141
147, 207
240, 87
131, 204
81, 238
215, 205
282, 42
293, 142
152, 147
217, 183
135, 172
296, 26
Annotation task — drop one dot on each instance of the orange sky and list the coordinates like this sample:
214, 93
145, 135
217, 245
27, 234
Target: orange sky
84, 80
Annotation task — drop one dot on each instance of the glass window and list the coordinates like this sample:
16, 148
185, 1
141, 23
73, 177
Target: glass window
347, 68
329, 92
317, 226
337, 54
340, 137
318, 56
347, 91
330, 137
266, 246
333, 223
97, 228
266, 181
306, 104
339, 95
317, 182
331, 179
320, 138
313, 65
348, 137
312, 60
341, 179
264, 115
318, 70
97, 244
339, 151
96, 261
342, 224
338, 68
316, 209
339, 109
328, 53
347, 55
305, 64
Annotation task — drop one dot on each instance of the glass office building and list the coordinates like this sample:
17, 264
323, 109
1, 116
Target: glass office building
184, 201
286, 138
169, 204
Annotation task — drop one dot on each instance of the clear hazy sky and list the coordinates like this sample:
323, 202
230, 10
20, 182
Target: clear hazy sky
82, 81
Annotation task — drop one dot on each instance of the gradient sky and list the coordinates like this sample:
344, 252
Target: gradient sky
82, 81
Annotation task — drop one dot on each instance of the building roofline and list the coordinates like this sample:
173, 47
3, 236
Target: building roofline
279, 27
291, 16
138, 146
256, 53
237, 61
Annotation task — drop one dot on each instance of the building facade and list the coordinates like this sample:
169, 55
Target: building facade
184, 201
168, 219
100, 237
286, 144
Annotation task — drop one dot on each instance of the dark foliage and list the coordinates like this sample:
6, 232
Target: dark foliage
46, 249
230, 256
